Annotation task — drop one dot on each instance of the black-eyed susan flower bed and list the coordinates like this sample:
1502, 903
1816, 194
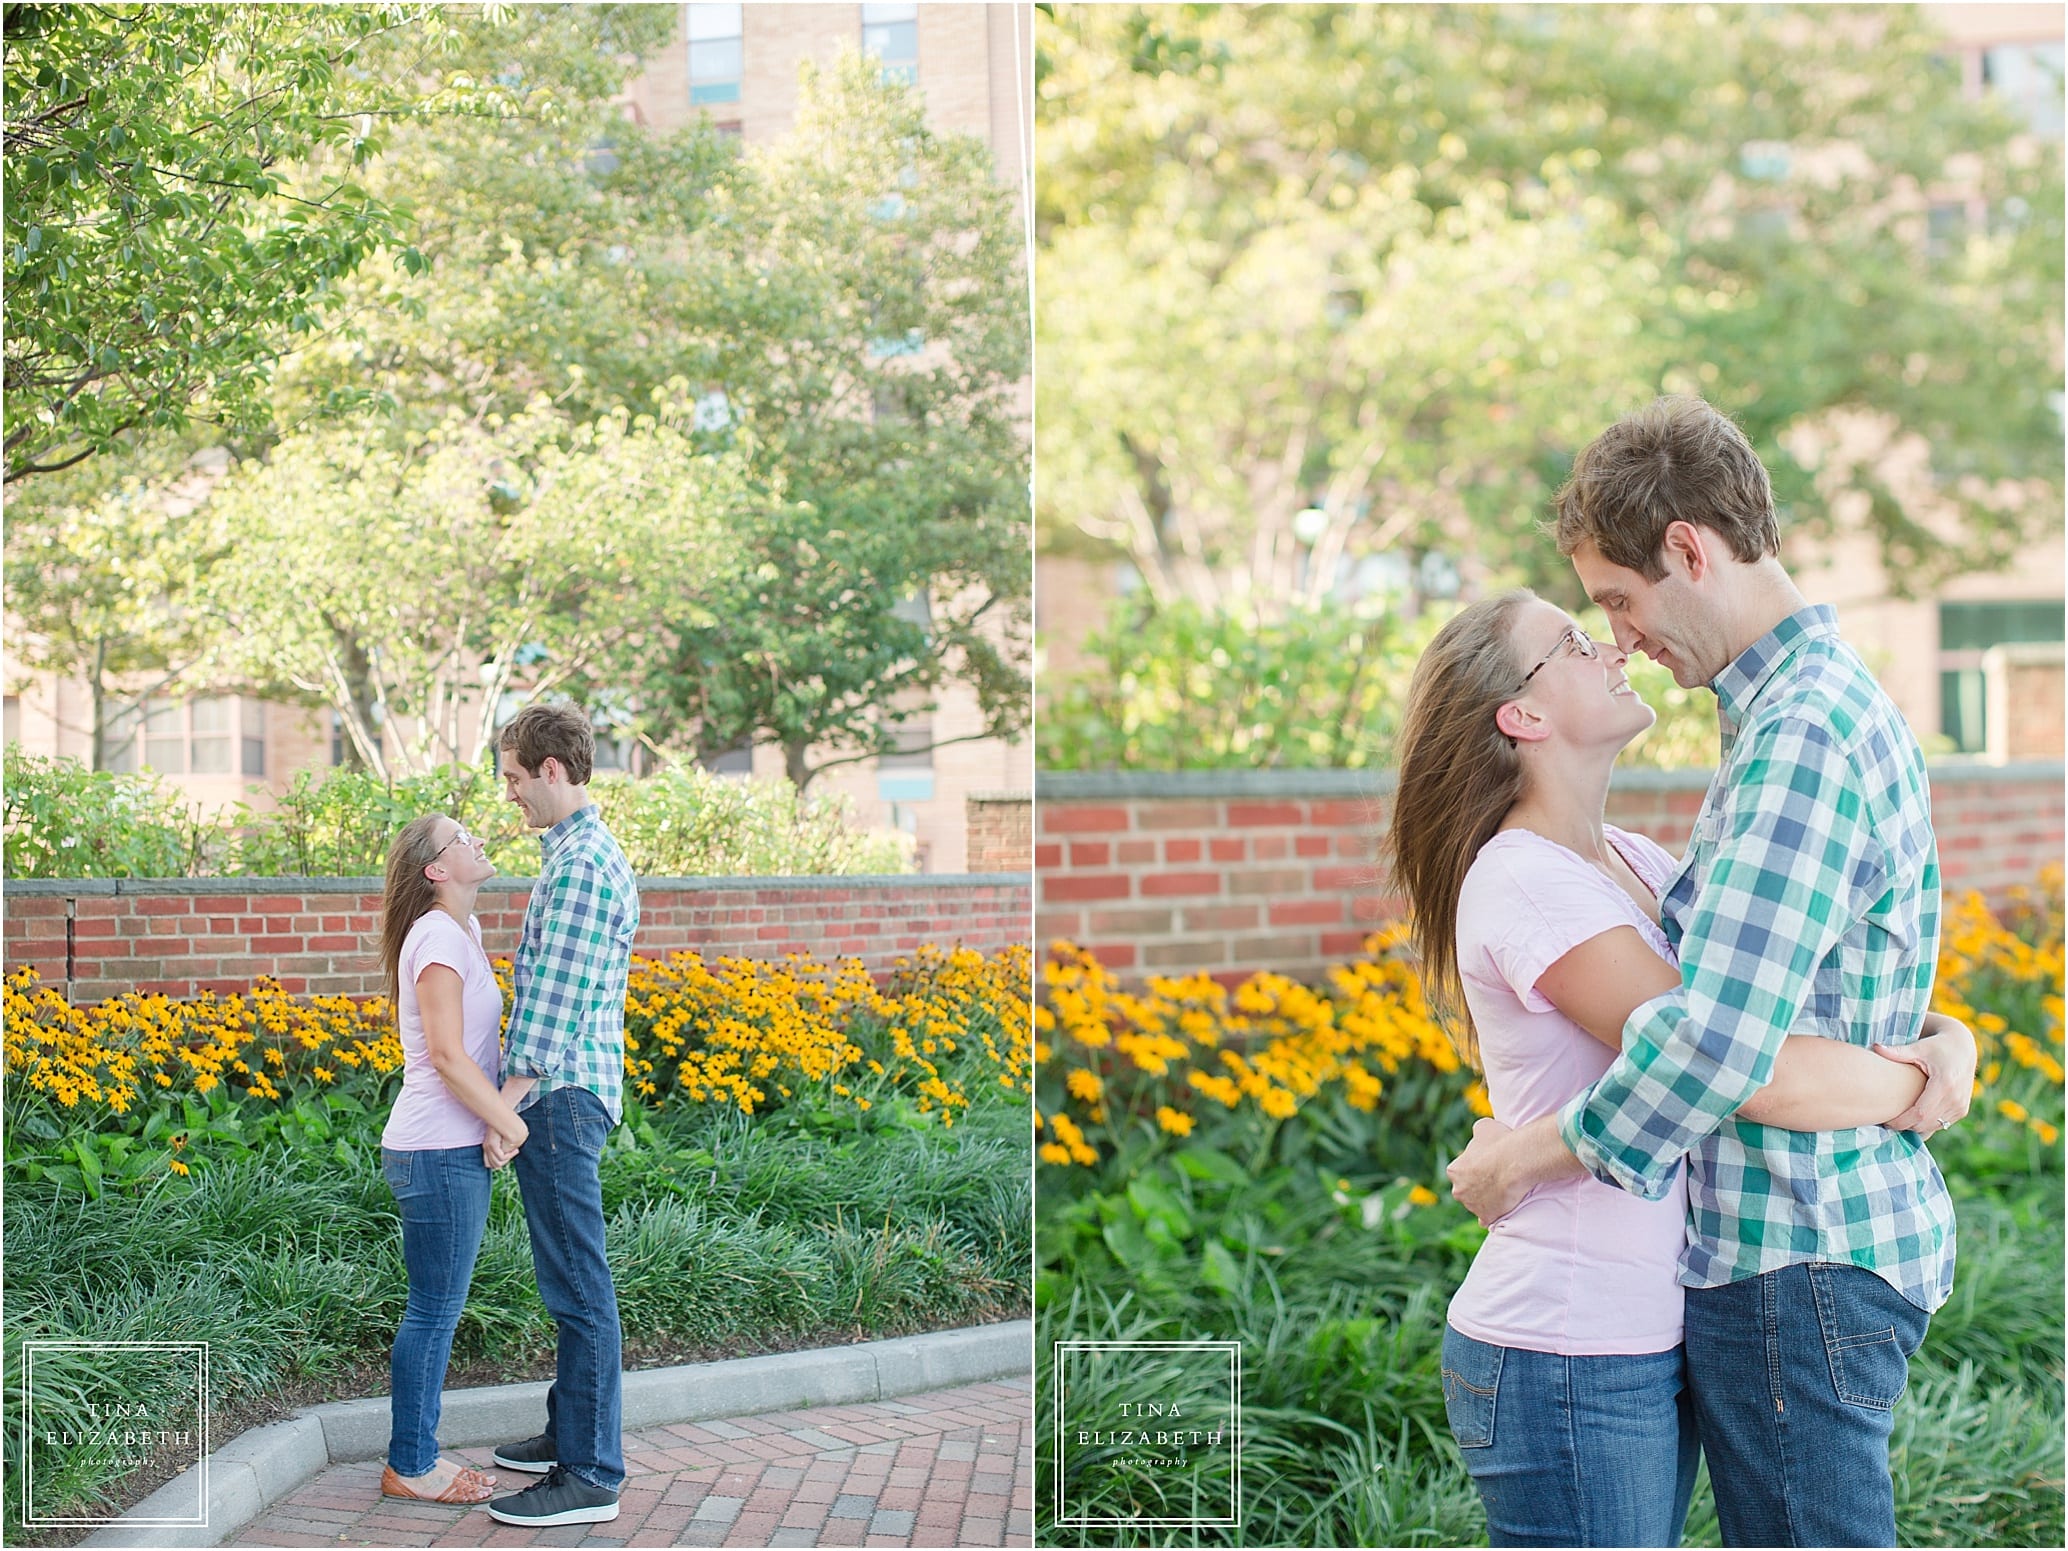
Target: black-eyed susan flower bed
144, 1084
1185, 1055
1263, 1165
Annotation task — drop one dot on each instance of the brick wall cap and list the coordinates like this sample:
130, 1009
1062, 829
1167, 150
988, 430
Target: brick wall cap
1069, 785
1001, 795
71, 888
1106, 785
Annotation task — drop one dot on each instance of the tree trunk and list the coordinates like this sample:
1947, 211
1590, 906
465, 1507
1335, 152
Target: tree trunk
799, 772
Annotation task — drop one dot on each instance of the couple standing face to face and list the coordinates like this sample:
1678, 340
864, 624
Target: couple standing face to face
560, 1066
1800, 1275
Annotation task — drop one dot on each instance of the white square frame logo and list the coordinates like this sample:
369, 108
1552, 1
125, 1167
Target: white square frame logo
1233, 1351
199, 1351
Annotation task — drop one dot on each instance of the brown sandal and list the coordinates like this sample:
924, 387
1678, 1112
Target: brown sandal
469, 1486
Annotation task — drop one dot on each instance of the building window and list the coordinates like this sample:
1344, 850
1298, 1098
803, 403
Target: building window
906, 773
1945, 228
1966, 633
254, 739
732, 762
2027, 76
891, 33
209, 746
717, 53
213, 735
341, 742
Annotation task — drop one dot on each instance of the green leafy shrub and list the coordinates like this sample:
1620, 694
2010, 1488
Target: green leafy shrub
1177, 687
340, 823
65, 821
688, 823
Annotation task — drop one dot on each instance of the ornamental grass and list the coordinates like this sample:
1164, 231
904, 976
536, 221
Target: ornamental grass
947, 1029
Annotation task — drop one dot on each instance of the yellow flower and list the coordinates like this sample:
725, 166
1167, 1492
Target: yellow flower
1085, 1085
1173, 1122
177, 1167
1422, 1195
1054, 1152
2011, 1109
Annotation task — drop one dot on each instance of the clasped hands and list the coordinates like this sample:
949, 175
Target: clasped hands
501, 1147
1502, 1164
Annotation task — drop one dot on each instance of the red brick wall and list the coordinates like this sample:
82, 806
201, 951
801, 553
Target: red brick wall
1236, 871
1000, 826
319, 936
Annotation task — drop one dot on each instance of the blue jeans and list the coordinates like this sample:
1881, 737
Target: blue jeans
442, 1194
563, 1209
1796, 1375
1572, 1451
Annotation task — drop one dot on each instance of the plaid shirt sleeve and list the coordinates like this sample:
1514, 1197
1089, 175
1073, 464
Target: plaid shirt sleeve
1795, 866
554, 999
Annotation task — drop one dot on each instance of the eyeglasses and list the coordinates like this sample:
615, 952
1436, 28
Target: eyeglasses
1583, 646
457, 836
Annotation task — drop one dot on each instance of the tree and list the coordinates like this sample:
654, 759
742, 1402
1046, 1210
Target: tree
100, 581
180, 205
1324, 281
861, 318
399, 584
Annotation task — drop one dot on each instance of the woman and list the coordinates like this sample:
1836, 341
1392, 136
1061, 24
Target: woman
436, 1149
1538, 928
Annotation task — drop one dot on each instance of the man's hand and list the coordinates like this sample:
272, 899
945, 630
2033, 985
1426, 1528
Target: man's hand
495, 1152
1947, 1057
1478, 1179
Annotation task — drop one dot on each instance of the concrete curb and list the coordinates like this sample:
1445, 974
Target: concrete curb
257, 1468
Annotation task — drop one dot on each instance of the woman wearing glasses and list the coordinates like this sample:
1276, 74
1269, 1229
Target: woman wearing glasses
449, 1125
1538, 928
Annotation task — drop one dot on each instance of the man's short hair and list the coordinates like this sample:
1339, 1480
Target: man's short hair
1676, 460
542, 732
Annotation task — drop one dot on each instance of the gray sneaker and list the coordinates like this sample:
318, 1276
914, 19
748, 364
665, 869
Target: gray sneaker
535, 1456
560, 1498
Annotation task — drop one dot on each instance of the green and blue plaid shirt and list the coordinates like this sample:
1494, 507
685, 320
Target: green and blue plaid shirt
567, 1013
1808, 903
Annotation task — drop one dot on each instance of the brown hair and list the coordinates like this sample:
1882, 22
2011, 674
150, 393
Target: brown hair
541, 732
405, 898
1459, 775
1676, 460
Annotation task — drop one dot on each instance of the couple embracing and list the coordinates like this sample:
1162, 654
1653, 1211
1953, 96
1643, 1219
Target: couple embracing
1713, 1224
543, 1100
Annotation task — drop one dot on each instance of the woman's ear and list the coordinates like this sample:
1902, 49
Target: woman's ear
1520, 723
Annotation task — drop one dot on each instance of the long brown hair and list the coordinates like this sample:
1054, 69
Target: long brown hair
407, 895
1459, 775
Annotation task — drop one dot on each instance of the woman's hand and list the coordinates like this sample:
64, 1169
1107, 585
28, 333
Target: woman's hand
503, 1142
1947, 1057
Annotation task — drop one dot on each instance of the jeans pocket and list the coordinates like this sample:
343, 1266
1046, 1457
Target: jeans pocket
1867, 1338
1471, 1385
587, 1119
396, 1169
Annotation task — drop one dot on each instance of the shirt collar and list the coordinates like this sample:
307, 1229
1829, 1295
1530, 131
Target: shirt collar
1739, 684
581, 818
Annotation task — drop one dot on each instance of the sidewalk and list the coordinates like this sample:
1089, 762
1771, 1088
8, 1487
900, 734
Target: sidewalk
952, 1467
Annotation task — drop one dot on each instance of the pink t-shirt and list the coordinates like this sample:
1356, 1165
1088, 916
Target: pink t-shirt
427, 1115
1579, 1268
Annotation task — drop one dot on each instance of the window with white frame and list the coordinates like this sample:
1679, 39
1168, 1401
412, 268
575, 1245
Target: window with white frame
717, 54
208, 735
891, 33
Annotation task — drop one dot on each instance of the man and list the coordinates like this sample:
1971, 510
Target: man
564, 1067
1808, 903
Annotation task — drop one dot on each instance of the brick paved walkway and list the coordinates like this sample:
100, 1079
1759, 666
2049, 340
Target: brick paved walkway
950, 1468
